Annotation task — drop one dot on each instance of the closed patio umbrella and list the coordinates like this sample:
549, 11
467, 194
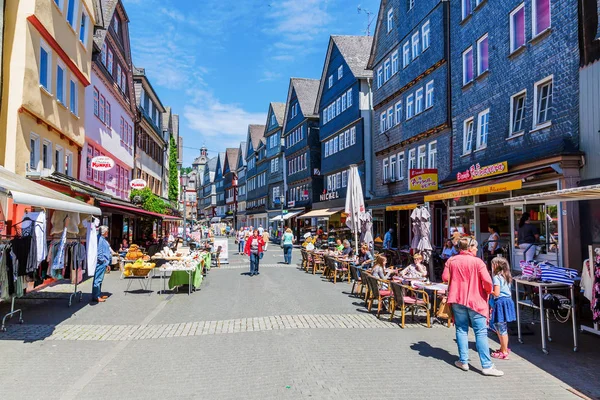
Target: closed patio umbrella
358, 220
415, 217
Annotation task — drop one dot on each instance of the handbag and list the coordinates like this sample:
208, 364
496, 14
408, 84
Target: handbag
444, 310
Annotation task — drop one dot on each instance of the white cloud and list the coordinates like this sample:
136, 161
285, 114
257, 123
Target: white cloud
269, 76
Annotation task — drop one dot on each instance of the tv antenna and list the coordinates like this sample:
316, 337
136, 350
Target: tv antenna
370, 18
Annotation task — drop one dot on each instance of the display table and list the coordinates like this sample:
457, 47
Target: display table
544, 287
180, 276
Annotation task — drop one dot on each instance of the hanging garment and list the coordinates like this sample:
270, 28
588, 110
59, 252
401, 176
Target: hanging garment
38, 219
58, 262
25, 249
596, 292
92, 244
4, 254
587, 280
58, 222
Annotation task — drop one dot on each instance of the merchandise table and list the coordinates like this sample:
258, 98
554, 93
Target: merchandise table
544, 287
177, 273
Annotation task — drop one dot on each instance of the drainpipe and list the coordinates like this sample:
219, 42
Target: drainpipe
447, 52
369, 152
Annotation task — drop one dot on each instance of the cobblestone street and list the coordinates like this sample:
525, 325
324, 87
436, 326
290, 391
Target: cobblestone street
283, 334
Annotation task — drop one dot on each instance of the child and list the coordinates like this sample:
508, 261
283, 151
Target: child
504, 307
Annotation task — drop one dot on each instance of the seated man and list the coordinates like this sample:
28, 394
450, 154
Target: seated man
365, 258
347, 250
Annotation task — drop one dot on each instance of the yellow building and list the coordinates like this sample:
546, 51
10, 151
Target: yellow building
47, 65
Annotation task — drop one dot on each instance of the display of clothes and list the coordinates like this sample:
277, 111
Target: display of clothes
35, 223
62, 219
12, 282
92, 243
595, 303
64, 258
547, 272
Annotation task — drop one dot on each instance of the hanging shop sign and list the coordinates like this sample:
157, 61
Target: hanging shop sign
497, 188
478, 172
330, 196
138, 184
423, 179
292, 203
102, 163
402, 207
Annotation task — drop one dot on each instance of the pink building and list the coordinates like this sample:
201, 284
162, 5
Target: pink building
110, 111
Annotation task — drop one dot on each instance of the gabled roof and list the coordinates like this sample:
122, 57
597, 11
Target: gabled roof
211, 167
306, 92
382, 6
232, 158
107, 9
279, 111
242, 154
220, 162
167, 117
176, 125
256, 132
356, 51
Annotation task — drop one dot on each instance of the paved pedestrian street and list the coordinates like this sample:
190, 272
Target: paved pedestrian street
284, 334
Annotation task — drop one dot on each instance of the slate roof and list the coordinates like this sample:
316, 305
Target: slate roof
256, 133
166, 118
356, 51
211, 165
279, 111
243, 150
232, 158
306, 91
176, 125
221, 161
103, 21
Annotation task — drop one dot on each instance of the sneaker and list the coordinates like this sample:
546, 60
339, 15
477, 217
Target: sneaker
492, 371
460, 365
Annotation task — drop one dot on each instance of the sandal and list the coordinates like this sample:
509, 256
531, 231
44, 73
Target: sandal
500, 355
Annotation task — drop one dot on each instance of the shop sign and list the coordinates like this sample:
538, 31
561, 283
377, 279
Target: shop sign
102, 163
330, 196
402, 207
497, 188
423, 179
138, 184
478, 172
291, 203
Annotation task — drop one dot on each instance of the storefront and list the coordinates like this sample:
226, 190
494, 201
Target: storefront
291, 219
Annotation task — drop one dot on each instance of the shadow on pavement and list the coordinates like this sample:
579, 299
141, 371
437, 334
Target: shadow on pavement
427, 350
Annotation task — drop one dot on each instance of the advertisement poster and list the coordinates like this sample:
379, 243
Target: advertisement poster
423, 179
222, 242
478, 172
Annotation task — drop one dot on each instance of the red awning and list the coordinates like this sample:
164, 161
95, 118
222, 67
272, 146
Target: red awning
138, 211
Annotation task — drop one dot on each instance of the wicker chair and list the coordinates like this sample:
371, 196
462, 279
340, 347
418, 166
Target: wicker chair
318, 263
377, 292
406, 298
340, 269
356, 279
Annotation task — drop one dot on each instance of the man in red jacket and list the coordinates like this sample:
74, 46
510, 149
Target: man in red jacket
254, 249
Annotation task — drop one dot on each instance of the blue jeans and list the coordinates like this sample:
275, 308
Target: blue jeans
98, 278
254, 259
462, 316
241, 244
287, 253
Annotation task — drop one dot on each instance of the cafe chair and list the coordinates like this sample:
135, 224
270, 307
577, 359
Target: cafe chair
356, 280
378, 292
318, 264
328, 267
406, 298
340, 268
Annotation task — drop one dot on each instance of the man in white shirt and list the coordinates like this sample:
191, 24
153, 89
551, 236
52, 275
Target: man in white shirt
260, 229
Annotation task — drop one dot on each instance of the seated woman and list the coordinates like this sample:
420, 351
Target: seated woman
365, 258
347, 250
415, 270
338, 245
449, 250
124, 246
379, 271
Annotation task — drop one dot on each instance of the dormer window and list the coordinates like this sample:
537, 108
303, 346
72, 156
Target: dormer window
273, 119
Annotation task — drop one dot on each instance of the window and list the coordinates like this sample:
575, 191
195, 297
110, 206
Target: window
409, 107
517, 28
422, 156
83, 28
411, 4
379, 77
102, 108
61, 83
45, 66
347, 138
483, 120
71, 11
432, 155
398, 116
390, 20
382, 122
338, 106
103, 54
353, 135
386, 171
411, 159
107, 115
390, 117
109, 66
543, 102
342, 141
74, 103
59, 159
419, 101
387, 70
425, 35
46, 154
275, 193
466, 8
343, 103
468, 127
116, 24
395, 62
467, 65
541, 16
482, 55
401, 165
330, 79
393, 168
415, 45
517, 112
340, 72
429, 95
122, 130
69, 164
118, 75
405, 55
34, 151
349, 97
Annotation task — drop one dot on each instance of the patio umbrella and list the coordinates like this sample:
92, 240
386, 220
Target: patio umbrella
415, 217
424, 231
366, 229
358, 220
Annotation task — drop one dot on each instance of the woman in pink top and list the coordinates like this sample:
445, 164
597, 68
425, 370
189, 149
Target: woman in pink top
468, 292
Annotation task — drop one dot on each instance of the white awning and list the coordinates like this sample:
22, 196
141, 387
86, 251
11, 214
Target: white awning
287, 216
215, 220
27, 192
591, 192
326, 212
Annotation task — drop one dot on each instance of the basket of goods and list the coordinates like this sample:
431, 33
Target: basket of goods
138, 268
134, 253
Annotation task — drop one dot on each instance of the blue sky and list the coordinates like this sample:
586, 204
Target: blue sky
218, 63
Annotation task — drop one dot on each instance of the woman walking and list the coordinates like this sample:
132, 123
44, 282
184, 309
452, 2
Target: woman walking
527, 236
254, 250
469, 286
288, 243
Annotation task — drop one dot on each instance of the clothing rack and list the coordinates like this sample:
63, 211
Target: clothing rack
595, 328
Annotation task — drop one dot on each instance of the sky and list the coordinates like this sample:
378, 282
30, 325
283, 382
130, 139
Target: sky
219, 63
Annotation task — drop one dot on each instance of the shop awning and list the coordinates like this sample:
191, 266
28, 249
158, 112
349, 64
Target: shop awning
401, 207
287, 216
591, 192
498, 186
325, 212
27, 192
215, 220
138, 211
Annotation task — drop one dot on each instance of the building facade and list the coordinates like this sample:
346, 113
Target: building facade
256, 185
209, 192
220, 186
274, 156
230, 183
240, 215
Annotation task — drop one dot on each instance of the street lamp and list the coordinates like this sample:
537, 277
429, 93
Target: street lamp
184, 182
282, 200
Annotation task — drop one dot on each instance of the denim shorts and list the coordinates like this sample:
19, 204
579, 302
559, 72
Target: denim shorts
501, 328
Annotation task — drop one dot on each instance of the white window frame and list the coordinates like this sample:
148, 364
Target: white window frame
405, 55
390, 20
330, 81
409, 107
421, 156
48, 50
349, 97
481, 144
415, 44
347, 138
340, 72
37, 155
379, 77
411, 4
398, 112
353, 136
63, 67
468, 141
69, 164
534, 31
49, 157
382, 122
390, 117
342, 142
385, 169
419, 101
425, 36
61, 159
432, 154
464, 66
400, 159
429, 95
513, 110
74, 105
480, 69
395, 62
536, 112
85, 27
387, 70
512, 46
343, 103
412, 159
392, 173
465, 9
